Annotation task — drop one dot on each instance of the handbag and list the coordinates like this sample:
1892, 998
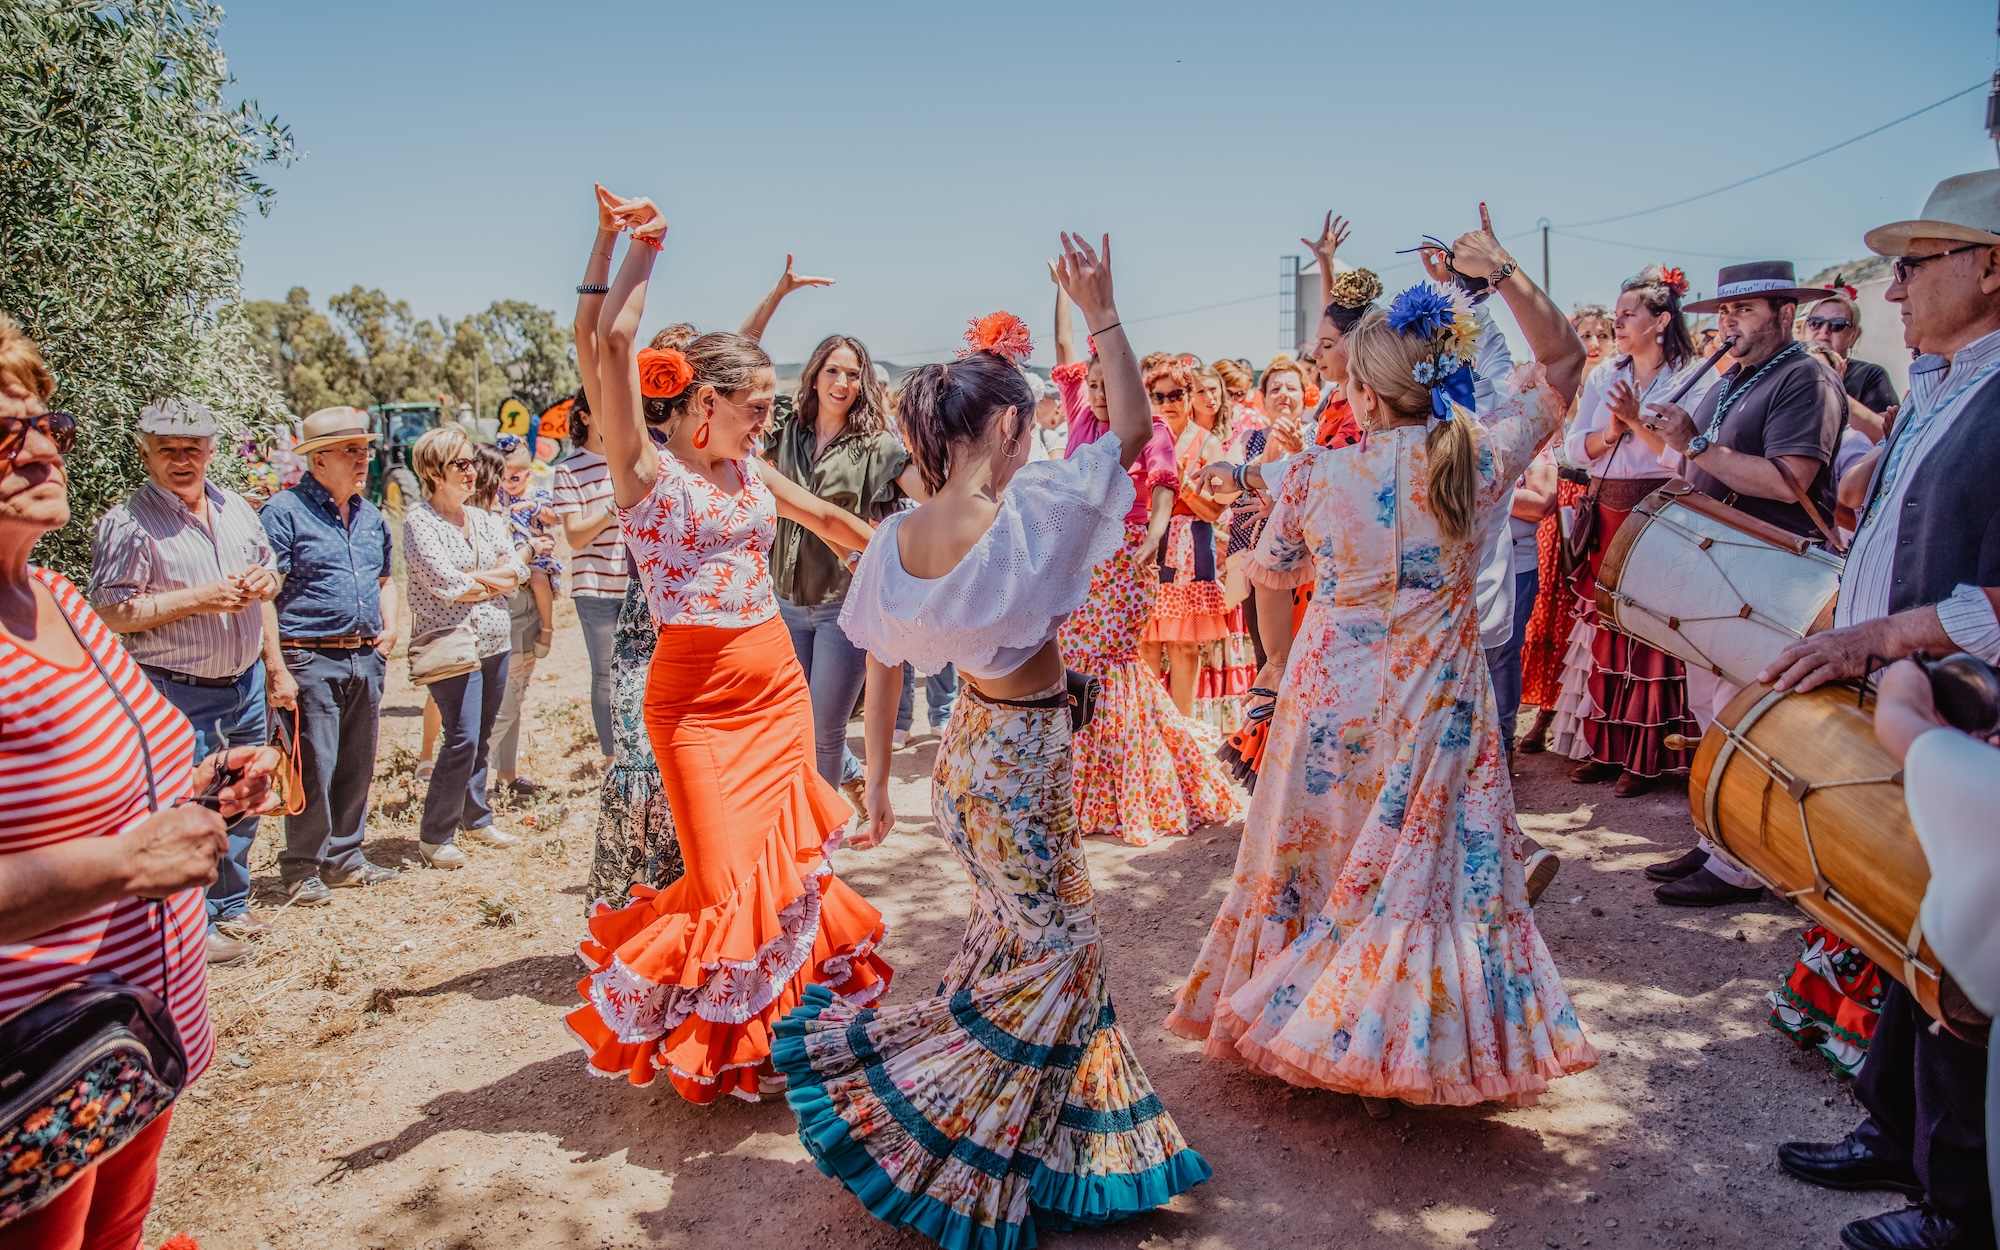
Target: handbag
1576, 543
445, 654
1083, 690
87, 1066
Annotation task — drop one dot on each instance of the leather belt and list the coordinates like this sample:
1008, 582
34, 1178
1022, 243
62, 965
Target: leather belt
189, 679
351, 643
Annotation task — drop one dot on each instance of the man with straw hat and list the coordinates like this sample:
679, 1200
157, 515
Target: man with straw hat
337, 616
1923, 574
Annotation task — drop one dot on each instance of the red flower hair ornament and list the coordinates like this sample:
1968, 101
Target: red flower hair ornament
663, 373
1001, 333
1675, 280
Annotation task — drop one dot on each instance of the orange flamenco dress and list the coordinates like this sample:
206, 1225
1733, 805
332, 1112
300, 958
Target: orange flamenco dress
693, 978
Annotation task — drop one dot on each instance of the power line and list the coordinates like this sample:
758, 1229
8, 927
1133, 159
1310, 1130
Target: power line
1742, 182
1643, 247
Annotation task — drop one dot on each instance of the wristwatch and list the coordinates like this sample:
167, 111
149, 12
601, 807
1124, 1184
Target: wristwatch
1501, 274
1697, 445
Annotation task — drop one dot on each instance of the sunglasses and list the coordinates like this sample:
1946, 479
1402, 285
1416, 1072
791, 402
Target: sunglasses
1907, 265
1174, 396
464, 464
1237, 393
1839, 325
58, 427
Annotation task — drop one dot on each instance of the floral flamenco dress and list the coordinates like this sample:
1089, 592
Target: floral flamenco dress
1010, 1100
635, 844
1143, 770
1377, 937
692, 978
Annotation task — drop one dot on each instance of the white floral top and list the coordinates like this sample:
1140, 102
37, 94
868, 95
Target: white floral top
442, 559
704, 555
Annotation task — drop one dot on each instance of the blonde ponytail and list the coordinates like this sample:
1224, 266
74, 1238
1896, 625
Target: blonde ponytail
1451, 454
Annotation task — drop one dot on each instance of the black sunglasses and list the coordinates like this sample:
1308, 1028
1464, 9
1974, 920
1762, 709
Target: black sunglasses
1838, 325
1907, 265
58, 427
462, 464
1170, 397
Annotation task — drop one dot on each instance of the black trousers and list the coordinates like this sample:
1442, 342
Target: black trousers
1926, 1100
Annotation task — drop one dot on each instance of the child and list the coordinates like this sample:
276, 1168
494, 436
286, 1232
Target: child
531, 511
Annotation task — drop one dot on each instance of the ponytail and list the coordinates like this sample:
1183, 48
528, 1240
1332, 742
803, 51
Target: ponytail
1451, 456
1384, 361
946, 406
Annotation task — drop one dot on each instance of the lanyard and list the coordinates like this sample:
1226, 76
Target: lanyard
1730, 394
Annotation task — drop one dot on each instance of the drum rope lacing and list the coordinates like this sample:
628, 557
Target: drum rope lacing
1745, 610
1735, 739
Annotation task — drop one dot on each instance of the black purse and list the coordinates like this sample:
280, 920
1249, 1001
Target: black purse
88, 1065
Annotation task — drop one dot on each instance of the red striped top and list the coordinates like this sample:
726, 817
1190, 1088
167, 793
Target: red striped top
73, 769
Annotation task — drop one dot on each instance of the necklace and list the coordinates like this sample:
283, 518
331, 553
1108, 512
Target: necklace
1730, 394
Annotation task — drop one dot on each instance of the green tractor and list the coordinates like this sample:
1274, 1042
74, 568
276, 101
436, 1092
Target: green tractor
392, 484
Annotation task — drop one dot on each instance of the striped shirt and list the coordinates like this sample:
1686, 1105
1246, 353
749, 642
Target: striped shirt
1939, 389
153, 542
74, 770
583, 484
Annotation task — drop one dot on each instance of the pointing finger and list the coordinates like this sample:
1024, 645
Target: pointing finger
1485, 218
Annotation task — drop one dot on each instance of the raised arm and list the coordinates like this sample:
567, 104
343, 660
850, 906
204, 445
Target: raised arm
1550, 336
1085, 276
589, 300
1331, 235
1065, 330
760, 316
628, 453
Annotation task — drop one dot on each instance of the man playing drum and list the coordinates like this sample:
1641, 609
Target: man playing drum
1923, 575
1773, 419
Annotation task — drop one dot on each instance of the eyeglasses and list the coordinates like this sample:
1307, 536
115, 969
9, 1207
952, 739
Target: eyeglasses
464, 464
1839, 325
1907, 265
1174, 396
58, 427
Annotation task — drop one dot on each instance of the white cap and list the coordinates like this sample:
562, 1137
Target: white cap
177, 418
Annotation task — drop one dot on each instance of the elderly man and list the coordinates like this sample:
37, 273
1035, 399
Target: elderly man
1923, 574
1770, 424
182, 570
336, 623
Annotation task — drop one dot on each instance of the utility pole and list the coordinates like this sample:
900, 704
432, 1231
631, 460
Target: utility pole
1993, 95
1544, 224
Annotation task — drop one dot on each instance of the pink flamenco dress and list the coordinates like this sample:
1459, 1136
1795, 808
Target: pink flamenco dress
1377, 937
1143, 770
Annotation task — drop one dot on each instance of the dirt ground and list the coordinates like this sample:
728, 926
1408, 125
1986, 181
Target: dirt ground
393, 1070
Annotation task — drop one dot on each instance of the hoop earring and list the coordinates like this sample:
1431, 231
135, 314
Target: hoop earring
701, 437
1011, 447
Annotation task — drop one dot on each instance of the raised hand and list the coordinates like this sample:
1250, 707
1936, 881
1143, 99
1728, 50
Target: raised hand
607, 210
1085, 276
1477, 253
793, 281
1331, 236
640, 215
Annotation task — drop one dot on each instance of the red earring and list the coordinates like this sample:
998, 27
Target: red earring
701, 436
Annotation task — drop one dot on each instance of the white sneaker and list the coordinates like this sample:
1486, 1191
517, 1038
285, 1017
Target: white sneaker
902, 739
446, 856
491, 835
425, 768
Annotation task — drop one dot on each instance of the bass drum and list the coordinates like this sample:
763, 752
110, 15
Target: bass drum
1713, 586
1795, 788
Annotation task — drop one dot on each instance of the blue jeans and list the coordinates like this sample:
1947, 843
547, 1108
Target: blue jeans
340, 715
224, 716
467, 705
836, 670
598, 615
1504, 662
940, 689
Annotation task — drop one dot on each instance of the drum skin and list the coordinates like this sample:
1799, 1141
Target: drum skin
1771, 756
1712, 586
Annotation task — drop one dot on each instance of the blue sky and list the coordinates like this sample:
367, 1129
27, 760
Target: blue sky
926, 155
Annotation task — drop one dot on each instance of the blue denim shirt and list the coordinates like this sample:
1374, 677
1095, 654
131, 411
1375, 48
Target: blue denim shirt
333, 572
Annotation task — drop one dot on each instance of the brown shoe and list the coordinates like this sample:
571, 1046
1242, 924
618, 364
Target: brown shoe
223, 949
1591, 772
1536, 740
1632, 785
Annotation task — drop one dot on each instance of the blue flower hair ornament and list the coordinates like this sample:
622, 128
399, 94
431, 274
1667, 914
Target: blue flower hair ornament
1442, 315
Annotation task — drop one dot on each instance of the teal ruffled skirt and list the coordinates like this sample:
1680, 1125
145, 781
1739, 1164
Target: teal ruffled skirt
1011, 1100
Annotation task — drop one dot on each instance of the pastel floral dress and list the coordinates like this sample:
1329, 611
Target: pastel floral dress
1377, 936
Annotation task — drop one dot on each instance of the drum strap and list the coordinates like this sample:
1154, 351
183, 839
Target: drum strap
1812, 510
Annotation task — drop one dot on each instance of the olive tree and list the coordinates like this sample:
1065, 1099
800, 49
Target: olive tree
127, 174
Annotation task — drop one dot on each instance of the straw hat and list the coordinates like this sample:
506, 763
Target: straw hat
333, 425
1965, 208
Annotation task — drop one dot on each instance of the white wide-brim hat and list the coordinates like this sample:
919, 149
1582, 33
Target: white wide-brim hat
1965, 208
332, 425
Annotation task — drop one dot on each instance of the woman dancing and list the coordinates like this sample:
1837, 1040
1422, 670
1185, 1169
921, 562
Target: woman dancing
1010, 1101
691, 978
1143, 770
1377, 936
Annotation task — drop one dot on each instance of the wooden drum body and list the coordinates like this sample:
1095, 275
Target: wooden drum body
1712, 586
1795, 788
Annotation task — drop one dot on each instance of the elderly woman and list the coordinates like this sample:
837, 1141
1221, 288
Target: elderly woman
463, 567
102, 860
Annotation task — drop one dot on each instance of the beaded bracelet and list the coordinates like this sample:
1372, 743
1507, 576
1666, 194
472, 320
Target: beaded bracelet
652, 241
592, 288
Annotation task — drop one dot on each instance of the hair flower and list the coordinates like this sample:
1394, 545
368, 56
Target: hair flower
1001, 333
1424, 308
663, 372
1674, 280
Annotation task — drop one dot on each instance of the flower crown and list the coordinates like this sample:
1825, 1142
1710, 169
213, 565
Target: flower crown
1443, 315
664, 372
1001, 333
1674, 280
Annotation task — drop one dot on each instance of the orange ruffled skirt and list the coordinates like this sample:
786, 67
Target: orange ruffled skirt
692, 978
